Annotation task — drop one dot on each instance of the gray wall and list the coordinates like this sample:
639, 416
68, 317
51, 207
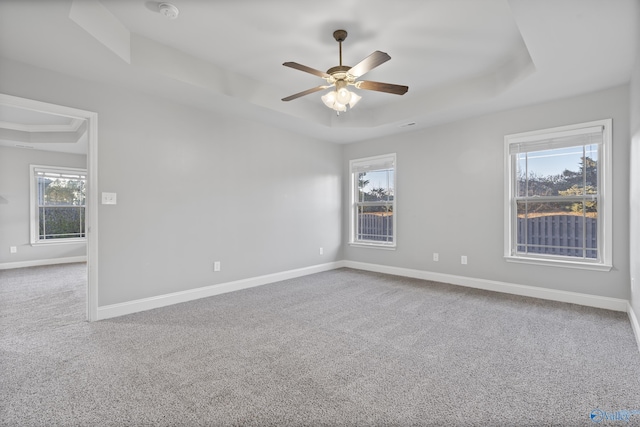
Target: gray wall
635, 185
14, 215
194, 187
450, 195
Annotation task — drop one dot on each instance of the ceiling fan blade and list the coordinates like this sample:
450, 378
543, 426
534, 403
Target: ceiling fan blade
382, 87
369, 63
306, 69
306, 92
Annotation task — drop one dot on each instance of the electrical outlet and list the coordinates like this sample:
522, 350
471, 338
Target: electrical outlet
216, 266
463, 259
436, 257
13, 249
321, 251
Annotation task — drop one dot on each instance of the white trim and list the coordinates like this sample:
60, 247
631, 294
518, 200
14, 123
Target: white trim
559, 263
365, 164
39, 262
129, 307
558, 132
635, 325
391, 247
92, 187
608, 303
92, 217
72, 126
547, 140
53, 242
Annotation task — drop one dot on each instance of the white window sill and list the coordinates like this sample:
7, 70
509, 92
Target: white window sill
560, 263
58, 242
373, 246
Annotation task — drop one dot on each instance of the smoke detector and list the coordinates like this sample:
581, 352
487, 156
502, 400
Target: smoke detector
168, 10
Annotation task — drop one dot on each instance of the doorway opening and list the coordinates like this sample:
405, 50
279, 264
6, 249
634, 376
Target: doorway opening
34, 125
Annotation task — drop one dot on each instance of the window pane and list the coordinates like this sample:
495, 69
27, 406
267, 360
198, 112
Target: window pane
591, 168
375, 223
363, 182
551, 171
556, 229
41, 186
376, 185
557, 172
531, 209
521, 175
61, 222
61, 191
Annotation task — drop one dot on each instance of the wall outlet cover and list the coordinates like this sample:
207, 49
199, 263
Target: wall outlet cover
109, 198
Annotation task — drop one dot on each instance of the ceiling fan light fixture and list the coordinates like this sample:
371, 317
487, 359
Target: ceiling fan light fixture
343, 76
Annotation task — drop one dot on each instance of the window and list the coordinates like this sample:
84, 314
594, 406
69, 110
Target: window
373, 201
57, 204
558, 196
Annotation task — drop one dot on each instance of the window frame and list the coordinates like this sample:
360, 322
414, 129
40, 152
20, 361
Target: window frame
354, 166
34, 205
604, 198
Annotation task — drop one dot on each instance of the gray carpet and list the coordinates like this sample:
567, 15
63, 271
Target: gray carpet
344, 347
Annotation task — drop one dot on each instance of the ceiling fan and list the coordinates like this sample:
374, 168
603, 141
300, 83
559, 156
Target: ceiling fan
343, 76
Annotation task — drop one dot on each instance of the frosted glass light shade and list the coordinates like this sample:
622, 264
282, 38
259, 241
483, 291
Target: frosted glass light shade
338, 100
329, 99
344, 96
354, 99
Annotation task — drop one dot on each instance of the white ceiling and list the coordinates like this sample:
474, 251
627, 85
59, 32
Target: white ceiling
459, 57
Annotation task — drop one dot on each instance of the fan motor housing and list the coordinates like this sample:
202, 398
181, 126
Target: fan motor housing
338, 69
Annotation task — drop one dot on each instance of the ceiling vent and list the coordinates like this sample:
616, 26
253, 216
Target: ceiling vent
406, 125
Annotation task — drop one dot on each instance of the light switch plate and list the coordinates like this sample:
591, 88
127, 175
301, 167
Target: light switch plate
109, 198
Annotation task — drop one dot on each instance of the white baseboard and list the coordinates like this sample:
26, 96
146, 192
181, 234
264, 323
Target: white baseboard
129, 307
634, 324
36, 263
608, 303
